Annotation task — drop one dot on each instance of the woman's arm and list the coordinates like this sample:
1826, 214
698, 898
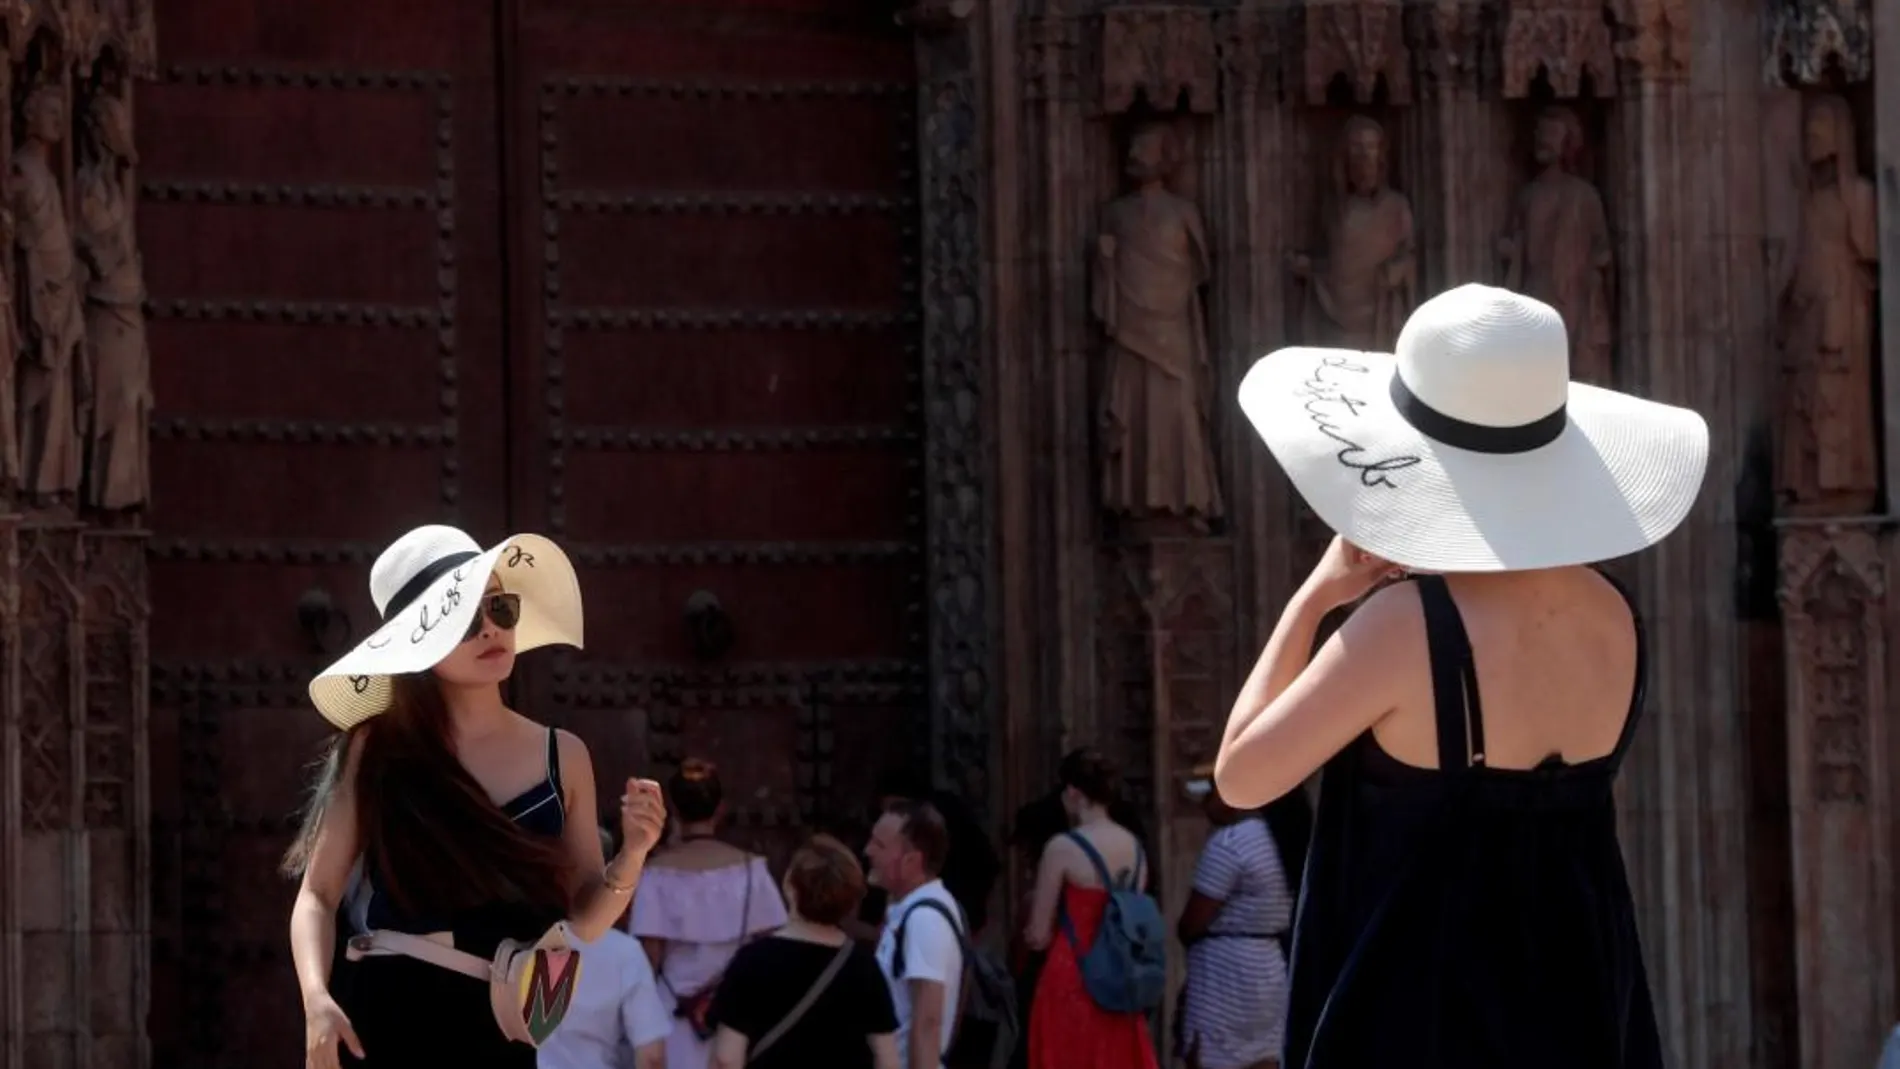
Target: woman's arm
1291, 717
884, 1051
1039, 929
729, 1049
313, 916
325, 878
1197, 917
600, 893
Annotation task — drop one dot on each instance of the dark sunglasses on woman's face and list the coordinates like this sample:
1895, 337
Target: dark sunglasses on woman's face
503, 609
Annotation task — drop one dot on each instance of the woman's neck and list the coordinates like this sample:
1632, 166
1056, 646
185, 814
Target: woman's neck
474, 712
699, 829
808, 932
1092, 815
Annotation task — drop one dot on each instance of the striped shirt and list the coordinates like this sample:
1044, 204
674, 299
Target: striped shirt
1237, 987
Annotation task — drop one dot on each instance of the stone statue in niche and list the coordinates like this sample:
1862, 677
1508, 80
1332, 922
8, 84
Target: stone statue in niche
115, 317
1364, 282
1828, 457
1558, 247
1151, 261
55, 379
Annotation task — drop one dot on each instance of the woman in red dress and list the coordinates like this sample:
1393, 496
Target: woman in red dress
1067, 1030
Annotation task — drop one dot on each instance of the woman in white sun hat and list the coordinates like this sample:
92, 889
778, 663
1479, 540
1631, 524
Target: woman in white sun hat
1465, 902
442, 814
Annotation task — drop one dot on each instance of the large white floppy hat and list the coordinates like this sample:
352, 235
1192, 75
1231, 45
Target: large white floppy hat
1470, 450
428, 586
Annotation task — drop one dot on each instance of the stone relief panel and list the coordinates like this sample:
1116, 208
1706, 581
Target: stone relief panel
1838, 614
75, 394
117, 478
1361, 280
1158, 380
1558, 247
54, 378
1828, 456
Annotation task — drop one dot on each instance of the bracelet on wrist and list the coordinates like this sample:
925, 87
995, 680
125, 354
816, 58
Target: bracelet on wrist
607, 881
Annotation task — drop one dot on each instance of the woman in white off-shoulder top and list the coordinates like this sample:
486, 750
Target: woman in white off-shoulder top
699, 901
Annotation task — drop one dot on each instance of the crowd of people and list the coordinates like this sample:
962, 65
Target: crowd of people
1458, 898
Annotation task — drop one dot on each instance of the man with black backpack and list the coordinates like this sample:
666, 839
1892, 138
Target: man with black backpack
955, 1004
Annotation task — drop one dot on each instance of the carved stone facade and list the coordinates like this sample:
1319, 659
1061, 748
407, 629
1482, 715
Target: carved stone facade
75, 824
1600, 155
1327, 164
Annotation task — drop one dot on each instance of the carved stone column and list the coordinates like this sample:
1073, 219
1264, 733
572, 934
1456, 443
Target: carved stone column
1838, 621
958, 385
76, 859
1886, 48
1459, 152
1685, 821
1168, 663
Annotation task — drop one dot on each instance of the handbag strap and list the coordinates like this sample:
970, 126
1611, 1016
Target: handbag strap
804, 1004
382, 942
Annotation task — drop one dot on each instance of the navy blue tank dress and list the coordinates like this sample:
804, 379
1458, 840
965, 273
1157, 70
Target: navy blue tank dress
409, 1013
1468, 917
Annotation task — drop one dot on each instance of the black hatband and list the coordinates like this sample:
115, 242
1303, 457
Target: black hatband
419, 582
1476, 437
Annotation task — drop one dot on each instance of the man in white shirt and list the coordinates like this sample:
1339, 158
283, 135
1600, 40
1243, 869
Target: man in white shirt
925, 973
616, 1019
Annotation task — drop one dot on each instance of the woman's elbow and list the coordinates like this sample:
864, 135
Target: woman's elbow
1242, 783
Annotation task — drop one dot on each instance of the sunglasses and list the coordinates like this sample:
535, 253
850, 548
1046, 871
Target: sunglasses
503, 609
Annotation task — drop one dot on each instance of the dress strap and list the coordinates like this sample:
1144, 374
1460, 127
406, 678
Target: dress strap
1095, 858
1455, 704
1640, 689
554, 762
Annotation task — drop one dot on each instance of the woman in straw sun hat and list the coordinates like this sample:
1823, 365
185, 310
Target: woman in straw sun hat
444, 814
1465, 902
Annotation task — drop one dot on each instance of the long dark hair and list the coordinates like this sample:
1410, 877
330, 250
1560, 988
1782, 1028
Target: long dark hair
429, 832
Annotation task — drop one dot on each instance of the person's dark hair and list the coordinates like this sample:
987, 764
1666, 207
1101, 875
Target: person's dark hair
1089, 771
431, 834
923, 828
826, 881
696, 790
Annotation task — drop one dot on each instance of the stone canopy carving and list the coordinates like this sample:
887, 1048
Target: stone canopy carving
1165, 55
1563, 39
1364, 40
1806, 37
1829, 454
1151, 262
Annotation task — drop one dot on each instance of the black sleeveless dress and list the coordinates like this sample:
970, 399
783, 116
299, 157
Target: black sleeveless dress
409, 1013
1469, 918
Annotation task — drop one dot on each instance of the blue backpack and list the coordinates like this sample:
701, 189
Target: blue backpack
1126, 969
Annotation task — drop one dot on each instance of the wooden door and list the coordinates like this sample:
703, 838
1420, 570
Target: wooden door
319, 225
716, 378
644, 282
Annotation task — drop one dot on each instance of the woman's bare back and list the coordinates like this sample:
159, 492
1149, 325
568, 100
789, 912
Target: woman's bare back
1556, 661
1115, 843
